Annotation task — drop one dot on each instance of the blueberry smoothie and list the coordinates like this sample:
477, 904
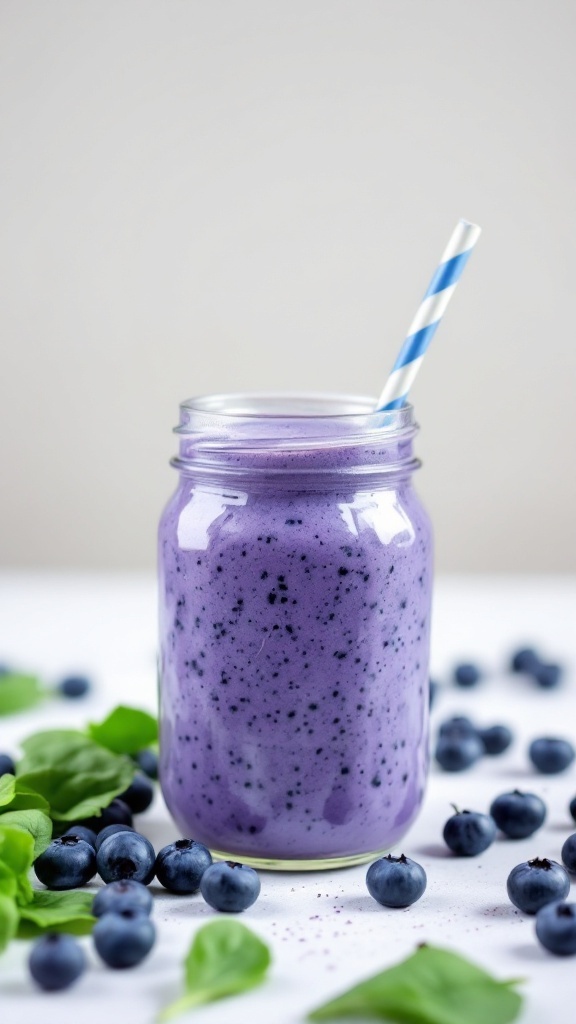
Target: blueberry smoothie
295, 589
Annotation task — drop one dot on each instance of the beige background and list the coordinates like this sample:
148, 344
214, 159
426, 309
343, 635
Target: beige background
202, 195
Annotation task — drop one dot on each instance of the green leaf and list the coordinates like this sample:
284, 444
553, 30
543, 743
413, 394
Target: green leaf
76, 776
7, 789
225, 958
16, 797
69, 911
18, 692
125, 730
433, 986
16, 856
36, 823
8, 920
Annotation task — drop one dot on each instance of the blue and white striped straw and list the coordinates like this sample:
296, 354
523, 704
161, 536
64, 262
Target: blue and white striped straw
429, 315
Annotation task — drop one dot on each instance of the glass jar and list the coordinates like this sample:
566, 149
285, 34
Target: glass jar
295, 564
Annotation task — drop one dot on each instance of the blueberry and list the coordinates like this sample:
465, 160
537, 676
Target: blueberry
396, 881
456, 753
56, 961
458, 726
518, 815
5, 669
572, 808
123, 939
496, 739
548, 677
569, 853
139, 794
148, 762
180, 866
83, 833
74, 686
433, 692
111, 830
556, 928
551, 755
66, 863
469, 833
117, 813
229, 886
524, 660
535, 883
126, 855
7, 766
467, 675
123, 895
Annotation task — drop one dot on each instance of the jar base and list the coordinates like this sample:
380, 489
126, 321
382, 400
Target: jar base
306, 864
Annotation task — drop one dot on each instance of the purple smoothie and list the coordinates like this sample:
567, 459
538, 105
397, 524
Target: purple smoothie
295, 595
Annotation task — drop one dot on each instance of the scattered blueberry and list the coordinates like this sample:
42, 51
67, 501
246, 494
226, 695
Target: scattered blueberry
117, 813
7, 766
535, 883
126, 855
569, 853
456, 753
467, 675
74, 686
180, 866
83, 833
229, 886
148, 762
139, 794
518, 815
556, 928
5, 669
458, 726
525, 659
551, 755
496, 739
396, 881
572, 808
468, 833
123, 895
56, 961
433, 692
548, 676
124, 938
110, 830
66, 863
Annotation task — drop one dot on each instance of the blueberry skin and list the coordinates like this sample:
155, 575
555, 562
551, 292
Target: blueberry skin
123, 939
111, 830
467, 675
180, 866
518, 815
229, 886
496, 739
548, 677
458, 726
569, 854
572, 808
139, 794
117, 813
525, 659
124, 895
56, 961
74, 686
556, 928
468, 833
433, 692
396, 881
83, 833
148, 762
126, 855
7, 766
66, 863
535, 883
456, 753
551, 755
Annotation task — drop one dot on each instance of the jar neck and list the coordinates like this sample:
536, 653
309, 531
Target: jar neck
294, 439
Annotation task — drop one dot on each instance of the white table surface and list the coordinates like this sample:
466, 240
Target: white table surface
325, 932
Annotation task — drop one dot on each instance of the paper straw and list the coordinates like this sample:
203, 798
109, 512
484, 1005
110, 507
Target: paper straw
429, 315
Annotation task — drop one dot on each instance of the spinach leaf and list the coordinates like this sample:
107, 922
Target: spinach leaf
433, 986
16, 797
225, 958
76, 776
18, 692
16, 856
8, 920
69, 911
125, 730
35, 822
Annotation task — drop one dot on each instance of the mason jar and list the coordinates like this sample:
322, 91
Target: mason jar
295, 572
